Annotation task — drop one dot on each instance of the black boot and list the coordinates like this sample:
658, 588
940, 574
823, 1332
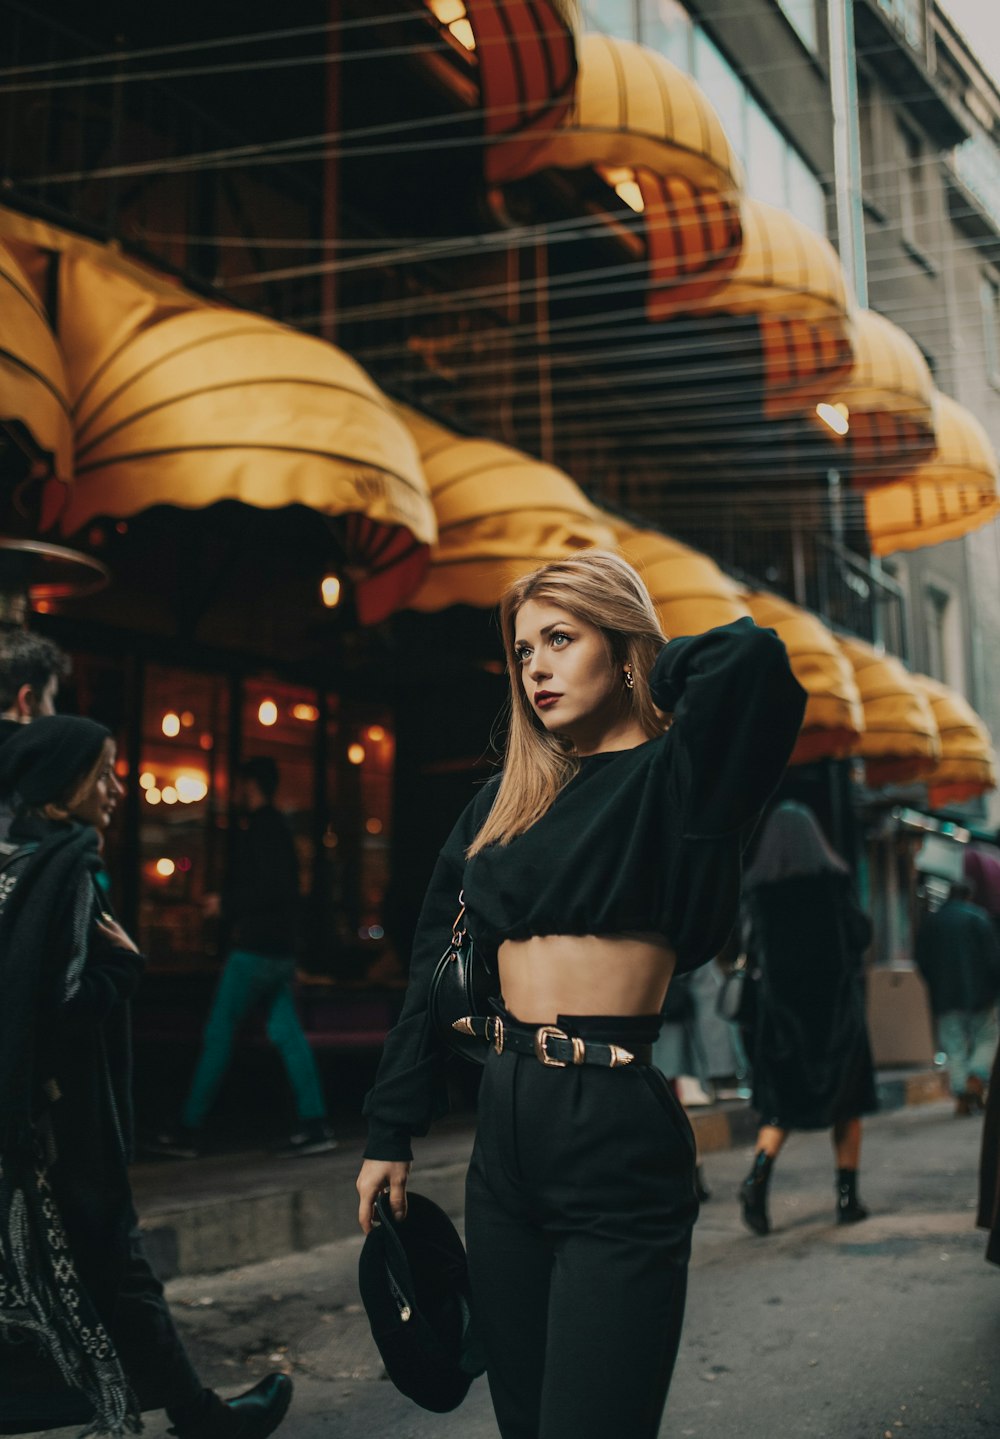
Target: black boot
753, 1194
849, 1208
252, 1415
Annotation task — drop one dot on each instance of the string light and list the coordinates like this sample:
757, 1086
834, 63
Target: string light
267, 713
171, 724
330, 591
356, 754
165, 868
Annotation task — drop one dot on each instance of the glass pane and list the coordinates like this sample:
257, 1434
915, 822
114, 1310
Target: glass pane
765, 161
806, 199
182, 840
724, 88
665, 25
802, 14
611, 17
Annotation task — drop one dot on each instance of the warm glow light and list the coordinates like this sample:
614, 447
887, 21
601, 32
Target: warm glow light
165, 867
268, 713
376, 733
121, 768
837, 417
147, 779
206, 741
187, 719
43, 607
463, 33
309, 714
356, 753
373, 826
191, 787
448, 11
153, 795
626, 187
330, 590
171, 724
169, 794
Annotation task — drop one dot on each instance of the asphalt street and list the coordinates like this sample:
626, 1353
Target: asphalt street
891, 1327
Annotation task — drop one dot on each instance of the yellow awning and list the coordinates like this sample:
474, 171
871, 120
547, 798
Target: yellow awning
791, 281
889, 401
34, 396
953, 493
500, 514
525, 52
212, 404
689, 590
834, 719
654, 136
967, 766
900, 742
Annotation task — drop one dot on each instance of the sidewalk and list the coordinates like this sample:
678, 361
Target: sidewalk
204, 1215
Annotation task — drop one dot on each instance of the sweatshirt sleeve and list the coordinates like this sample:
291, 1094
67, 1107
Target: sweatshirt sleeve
737, 709
409, 1090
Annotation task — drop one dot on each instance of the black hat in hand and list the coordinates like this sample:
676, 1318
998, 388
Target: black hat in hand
414, 1281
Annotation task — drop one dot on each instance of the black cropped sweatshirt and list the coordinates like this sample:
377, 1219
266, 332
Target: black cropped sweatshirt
646, 840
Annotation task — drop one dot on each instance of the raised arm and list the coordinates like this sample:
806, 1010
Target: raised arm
737, 709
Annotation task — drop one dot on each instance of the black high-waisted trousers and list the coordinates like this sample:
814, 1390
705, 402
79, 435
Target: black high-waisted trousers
580, 1203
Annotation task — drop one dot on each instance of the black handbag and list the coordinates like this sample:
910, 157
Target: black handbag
462, 984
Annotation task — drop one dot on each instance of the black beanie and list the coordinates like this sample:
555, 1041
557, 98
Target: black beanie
46, 758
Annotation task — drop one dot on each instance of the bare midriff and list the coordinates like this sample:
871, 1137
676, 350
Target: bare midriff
555, 974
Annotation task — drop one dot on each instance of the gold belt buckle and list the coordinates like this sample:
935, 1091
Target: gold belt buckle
543, 1034
498, 1035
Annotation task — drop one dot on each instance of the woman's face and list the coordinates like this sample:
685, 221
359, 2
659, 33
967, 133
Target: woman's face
96, 800
567, 671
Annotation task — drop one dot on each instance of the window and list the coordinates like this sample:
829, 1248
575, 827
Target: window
724, 88
612, 17
945, 645
913, 195
665, 25
989, 292
766, 155
806, 197
801, 15
908, 18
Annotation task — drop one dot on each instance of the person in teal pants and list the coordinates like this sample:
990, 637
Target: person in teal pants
260, 903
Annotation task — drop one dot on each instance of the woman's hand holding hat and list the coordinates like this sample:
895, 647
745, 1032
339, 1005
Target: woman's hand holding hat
377, 1175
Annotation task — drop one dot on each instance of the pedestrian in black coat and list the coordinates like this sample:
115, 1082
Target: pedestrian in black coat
74, 1282
812, 1064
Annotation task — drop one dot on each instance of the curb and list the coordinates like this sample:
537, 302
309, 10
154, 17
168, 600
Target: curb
216, 1214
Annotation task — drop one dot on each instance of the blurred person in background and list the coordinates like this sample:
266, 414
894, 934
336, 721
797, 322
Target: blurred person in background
259, 906
31, 669
958, 954
812, 1063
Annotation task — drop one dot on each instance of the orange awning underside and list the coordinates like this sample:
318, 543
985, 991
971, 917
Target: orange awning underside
689, 590
527, 67
890, 403
635, 111
834, 719
500, 514
34, 394
900, 742
791, 281
967, 767
952, 494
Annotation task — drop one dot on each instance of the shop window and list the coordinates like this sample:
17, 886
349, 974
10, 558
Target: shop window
183, 777
989, 294
801, 15
612, 17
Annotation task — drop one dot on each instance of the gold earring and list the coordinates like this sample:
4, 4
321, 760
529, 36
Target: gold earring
629, 677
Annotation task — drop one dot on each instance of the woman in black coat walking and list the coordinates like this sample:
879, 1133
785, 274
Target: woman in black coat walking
74, 1282
812, 1061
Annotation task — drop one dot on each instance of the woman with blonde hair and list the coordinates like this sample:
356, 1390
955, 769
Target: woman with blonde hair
603, 859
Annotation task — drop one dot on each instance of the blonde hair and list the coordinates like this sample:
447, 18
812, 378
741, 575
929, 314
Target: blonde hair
604, 590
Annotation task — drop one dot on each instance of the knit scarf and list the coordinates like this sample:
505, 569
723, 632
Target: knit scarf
46, 911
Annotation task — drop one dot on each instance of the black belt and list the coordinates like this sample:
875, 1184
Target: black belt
549, 1044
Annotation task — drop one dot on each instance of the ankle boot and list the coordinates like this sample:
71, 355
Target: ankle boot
252, 1415
849, 1208
753, 1194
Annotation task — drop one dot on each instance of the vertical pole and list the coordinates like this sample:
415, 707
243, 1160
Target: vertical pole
544, 353
847, 145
